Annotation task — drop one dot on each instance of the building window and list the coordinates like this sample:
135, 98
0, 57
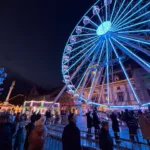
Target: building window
105, 90
120, 96
118, 88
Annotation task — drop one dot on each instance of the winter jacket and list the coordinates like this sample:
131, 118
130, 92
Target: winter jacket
96, 121
144, 126
71, 137
132, 125
20, 138
115, 124
6, 133
29, 129
105, 140
89, 121
37, 138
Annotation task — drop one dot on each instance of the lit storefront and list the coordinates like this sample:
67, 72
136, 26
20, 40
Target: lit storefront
40, 106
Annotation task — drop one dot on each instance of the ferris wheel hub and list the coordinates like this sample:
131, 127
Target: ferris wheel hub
104, 28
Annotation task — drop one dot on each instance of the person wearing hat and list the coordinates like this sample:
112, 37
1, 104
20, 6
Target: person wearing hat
38, 136
71, 135
105, 140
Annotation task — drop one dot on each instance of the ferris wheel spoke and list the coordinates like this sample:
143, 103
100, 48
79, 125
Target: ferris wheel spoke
125, 73
91, 44
90, 21
93, 81
122, 4
107, 70
133, 14
84, 55
136, 47
93, 23
99, 17
133, 56
82, 45
80, 35
66, 85
120, 21
106, 12
135, 31
84, 83
136, 24
82, 79
102, 86
125, 23
123, 12
87, 75
113, 10
83, 40
94, 57
96, 82
85, 28
134, 39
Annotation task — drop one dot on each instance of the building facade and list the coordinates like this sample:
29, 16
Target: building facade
120, 93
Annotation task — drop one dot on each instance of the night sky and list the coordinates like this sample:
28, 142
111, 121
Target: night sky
33, 35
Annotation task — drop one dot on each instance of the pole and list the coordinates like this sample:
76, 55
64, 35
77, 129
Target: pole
10, 90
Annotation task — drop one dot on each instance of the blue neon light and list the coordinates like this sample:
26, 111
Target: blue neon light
97, 104
125, 24
119, 21
129, 11
146, 104
126, 75
119, 11
123, 12
134, 106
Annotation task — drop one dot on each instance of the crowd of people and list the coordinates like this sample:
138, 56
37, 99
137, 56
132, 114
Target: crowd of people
19, 132
133, 121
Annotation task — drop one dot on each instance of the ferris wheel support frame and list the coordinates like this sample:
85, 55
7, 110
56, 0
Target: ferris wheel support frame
125, 73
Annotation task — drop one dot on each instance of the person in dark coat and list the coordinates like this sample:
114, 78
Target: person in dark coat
71, 135
96, 123
126, 116
33, 116
7, 130
48, 116
115, 126
38, 116
20, 133
133, 126
105, 140
89, 123
29, 127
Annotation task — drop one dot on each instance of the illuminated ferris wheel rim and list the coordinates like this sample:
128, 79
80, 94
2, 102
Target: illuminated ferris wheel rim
107, 32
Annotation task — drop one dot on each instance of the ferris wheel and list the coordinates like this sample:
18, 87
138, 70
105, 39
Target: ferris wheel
110, 33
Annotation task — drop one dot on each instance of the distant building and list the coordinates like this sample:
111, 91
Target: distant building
120, 92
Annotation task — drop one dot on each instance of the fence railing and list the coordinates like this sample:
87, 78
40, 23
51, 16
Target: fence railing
89, 143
